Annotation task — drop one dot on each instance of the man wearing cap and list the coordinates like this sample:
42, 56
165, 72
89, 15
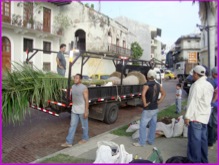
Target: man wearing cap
197, 116
212, 124
150, 100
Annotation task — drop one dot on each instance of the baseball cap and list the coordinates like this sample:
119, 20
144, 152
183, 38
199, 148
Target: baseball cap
214, 70
151, 73
200, 70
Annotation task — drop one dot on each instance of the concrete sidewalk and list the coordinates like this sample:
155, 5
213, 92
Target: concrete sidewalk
168, 146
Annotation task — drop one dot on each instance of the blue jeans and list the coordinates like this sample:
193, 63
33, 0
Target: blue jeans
197, 150
178, 105
148, 116
73, 126
61, 71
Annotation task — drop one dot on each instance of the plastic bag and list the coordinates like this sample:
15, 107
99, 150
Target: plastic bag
178, 127
110, 152
136, 134
167, 129
132, 128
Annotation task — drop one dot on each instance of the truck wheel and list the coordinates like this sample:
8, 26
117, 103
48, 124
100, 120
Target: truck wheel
169, 77
111, 113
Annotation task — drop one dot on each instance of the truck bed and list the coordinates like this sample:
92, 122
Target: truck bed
100, 94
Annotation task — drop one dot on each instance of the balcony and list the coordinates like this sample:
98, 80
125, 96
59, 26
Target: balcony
120, 51
21, 26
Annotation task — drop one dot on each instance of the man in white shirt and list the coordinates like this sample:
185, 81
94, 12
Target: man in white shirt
197, 116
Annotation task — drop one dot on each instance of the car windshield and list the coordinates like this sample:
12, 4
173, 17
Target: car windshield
104, 77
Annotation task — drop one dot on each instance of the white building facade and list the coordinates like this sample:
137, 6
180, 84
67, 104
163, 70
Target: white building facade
186, 44
209, 19
90, 32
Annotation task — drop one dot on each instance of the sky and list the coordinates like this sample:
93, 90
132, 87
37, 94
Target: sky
174, 18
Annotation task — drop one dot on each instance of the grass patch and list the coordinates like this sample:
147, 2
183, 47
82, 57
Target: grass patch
122, 131
168, 112
62, 158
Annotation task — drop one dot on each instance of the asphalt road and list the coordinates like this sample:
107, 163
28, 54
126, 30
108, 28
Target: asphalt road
41, 134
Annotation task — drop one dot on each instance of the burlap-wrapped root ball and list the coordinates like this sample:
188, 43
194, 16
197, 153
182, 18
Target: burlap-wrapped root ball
116, 74
115, 80
139, 75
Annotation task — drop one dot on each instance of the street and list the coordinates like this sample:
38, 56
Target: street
42, 134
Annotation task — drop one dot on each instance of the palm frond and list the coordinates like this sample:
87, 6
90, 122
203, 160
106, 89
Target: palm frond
25, 86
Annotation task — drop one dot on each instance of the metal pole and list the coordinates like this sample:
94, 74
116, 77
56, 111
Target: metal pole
208, 33
82, 65
69, 81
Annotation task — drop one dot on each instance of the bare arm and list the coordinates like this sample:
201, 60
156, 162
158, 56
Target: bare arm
145, 89
58, 63
163, 95
214, 96
86, 96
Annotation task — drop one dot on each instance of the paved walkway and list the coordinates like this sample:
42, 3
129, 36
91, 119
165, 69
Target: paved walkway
168, 147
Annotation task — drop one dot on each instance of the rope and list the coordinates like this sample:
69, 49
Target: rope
117, 93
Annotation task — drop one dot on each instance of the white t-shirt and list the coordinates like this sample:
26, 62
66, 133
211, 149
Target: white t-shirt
179, 92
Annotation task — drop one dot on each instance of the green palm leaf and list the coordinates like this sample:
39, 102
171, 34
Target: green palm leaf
26, 85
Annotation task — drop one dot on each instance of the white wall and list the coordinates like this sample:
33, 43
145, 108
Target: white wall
17, 53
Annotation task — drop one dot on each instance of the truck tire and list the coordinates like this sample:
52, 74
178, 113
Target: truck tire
111, 113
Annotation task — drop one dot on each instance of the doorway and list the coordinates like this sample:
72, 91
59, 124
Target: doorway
6, 53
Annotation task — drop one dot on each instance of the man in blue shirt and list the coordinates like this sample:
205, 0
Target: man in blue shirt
61, 62
212, 124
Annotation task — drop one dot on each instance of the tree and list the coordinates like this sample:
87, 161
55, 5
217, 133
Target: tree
137, 51
204, 7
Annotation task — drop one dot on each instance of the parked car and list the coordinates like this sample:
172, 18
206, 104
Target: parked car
100, 76
169, 74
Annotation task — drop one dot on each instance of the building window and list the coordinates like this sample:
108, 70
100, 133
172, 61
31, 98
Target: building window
46, 66
28, 44
124, 44
28, 13
46, 20
117, 42
46, 47
6, 11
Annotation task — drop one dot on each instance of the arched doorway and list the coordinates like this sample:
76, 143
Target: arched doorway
80, 36
6, 53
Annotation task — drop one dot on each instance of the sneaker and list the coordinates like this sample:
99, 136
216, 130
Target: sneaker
137, 145
66, 145
82, 141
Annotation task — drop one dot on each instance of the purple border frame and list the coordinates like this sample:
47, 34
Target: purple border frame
73, 0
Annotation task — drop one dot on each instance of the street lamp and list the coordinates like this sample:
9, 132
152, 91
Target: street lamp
201, 27
71, 56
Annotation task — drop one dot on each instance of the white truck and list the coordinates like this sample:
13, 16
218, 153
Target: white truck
182, 70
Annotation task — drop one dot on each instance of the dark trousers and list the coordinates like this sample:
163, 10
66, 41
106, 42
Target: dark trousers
212, 128
197, 150
212, 135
